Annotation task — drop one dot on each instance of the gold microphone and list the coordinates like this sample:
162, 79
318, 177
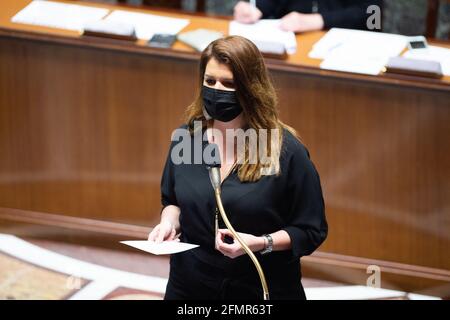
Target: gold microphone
214, 176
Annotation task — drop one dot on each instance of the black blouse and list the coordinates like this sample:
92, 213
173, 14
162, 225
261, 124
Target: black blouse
291, 201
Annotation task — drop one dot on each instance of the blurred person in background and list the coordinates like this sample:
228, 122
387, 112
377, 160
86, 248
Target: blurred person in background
307, 15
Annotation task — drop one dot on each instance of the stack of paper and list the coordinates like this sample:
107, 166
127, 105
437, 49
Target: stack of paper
267, 35
58, 15
146, 25
357, 51
432, 53
114, 28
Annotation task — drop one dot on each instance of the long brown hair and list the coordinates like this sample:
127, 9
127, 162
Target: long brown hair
254, 91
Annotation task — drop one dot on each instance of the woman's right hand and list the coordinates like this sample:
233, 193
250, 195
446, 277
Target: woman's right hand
165, 231
244, 12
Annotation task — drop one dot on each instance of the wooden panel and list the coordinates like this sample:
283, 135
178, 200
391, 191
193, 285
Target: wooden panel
354, 270
85, 132
58, 222
383, 153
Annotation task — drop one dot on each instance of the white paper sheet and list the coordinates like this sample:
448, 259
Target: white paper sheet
146, 25
266, 32
357, 51
165, 247
354, 64
371, 43
432, 53
58, 15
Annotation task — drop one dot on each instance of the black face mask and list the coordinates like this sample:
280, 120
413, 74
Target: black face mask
221, 105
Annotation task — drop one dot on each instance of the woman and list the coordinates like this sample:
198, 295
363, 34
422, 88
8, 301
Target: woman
276, 205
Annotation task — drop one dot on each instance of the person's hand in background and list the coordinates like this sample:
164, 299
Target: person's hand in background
300, 22
244, 12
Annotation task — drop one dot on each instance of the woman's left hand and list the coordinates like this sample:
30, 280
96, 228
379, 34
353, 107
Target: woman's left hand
233, 250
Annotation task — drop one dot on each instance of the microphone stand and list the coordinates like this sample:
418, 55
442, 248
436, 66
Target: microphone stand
214, 175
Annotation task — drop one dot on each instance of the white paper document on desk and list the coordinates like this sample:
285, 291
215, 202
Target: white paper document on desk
432, 53
361, 65
369, 42
146, 25
59, 15
357, 51
162, 248
265, 31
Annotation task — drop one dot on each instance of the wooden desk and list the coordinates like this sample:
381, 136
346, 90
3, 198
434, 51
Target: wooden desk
85, 126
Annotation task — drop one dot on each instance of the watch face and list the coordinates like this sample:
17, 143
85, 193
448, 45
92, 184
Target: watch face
269, 246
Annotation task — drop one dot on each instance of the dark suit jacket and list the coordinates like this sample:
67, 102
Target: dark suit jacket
336, 13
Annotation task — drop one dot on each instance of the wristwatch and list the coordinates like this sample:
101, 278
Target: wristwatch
269, 245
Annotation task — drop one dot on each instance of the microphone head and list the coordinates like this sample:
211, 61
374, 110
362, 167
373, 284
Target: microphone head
214, 176
212, 161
